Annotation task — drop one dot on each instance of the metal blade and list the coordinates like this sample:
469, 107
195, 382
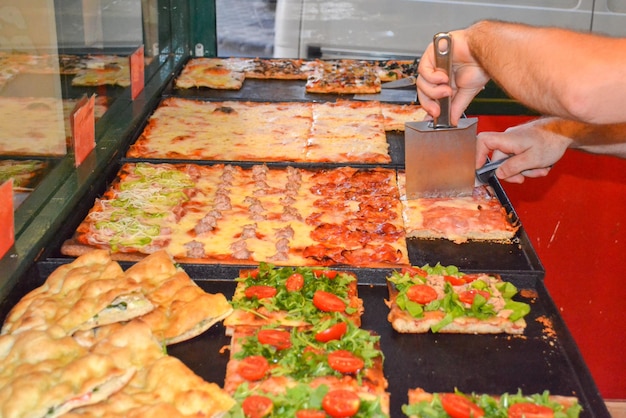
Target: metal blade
391, 95
396, 84
440, 162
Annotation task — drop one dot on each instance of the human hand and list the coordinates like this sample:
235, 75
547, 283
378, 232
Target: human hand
533, 149
464, 83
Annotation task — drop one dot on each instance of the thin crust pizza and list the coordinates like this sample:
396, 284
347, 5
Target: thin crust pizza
423, 404
442, 299
344, 131
231, 214
480, 217
293, 297
333, 352
306, 401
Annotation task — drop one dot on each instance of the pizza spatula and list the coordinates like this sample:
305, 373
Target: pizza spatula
439, 157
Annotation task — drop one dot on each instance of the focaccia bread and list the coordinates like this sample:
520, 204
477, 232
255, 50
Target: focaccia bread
162, 386
90, 291
46, 373
182, 309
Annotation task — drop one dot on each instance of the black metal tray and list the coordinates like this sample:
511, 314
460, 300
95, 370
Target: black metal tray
542, 359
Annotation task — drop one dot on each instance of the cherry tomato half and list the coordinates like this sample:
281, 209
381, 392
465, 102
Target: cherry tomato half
257, 406
328, 302
253, 368
260, 291
454, 280
329, 274
295, 282
254, 273
458, 406
275, 337
469, 295
414, 271
421, 293
341, 403
529, 410
344, 361
310, 413
334, 332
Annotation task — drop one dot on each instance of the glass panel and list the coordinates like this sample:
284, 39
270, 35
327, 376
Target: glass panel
53, 53
245, 28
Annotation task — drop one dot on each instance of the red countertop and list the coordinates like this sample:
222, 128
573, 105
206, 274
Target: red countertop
576, 220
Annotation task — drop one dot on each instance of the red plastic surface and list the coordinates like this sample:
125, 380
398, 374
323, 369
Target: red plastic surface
576, 220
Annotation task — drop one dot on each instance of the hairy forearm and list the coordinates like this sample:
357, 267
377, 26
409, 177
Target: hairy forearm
554, 71
609, 139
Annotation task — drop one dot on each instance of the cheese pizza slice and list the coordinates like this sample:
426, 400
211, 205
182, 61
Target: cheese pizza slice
479, 217
293, 297
443, 299
90, 291
457, 403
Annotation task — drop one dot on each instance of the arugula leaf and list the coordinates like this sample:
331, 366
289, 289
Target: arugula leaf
492, 406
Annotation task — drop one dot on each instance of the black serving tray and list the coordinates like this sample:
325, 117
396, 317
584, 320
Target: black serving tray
542, 359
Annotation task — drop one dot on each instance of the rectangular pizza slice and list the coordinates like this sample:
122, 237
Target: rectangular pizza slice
423, 404
480, 217
443, 299
334, 352
305, 400
293, 297
343, 77
231, 214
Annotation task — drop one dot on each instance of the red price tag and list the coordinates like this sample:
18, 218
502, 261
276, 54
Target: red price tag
137, 81
83, 128
7, 225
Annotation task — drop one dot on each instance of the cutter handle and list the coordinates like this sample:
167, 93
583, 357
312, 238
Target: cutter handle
442, 43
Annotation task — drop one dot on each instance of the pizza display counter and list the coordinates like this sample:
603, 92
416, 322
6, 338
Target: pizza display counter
543, 357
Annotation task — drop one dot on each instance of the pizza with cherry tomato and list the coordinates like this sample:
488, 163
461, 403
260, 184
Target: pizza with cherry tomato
305, 401
515, 405
443, 299
334, 352
293, 297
